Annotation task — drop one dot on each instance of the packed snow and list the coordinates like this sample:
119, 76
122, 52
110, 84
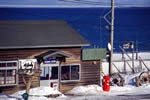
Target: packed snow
114, 90
89, 92
41, 91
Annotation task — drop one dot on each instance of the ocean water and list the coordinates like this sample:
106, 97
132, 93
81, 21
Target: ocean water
131, 24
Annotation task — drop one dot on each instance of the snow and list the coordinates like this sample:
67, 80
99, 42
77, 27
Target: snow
89, 92
86, 90
129, 76
114, 90
38, 93
41, 91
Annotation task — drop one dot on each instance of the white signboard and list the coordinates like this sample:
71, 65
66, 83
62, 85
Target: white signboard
28, 65
126, 45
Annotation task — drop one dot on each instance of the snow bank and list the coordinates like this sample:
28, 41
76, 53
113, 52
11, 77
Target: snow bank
89, 92
114, 90
86, 90
40, 91
44, 91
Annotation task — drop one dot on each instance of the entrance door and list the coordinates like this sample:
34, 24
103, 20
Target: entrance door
49, 76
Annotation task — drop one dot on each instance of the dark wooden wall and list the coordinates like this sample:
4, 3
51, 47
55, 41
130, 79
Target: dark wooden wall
89, 69
90, 74
10, 55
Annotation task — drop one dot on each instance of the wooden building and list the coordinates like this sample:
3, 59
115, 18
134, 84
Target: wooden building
51, 46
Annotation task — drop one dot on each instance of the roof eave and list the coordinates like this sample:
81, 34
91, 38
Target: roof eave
43, 46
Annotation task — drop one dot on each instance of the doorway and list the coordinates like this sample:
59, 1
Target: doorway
49, 76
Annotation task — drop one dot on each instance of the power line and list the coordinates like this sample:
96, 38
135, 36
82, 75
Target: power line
102, 3
84, 2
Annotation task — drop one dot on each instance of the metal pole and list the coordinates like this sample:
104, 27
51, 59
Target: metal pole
111, 36
136, 50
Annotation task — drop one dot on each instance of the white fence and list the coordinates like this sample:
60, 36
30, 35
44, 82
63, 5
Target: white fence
122, 66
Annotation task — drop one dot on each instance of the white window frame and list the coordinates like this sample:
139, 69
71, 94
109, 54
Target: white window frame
10, 68
70, 73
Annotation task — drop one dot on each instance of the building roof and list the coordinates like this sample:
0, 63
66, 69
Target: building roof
38, 34
52, 53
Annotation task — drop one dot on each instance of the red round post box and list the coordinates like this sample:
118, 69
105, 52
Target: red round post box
106, 84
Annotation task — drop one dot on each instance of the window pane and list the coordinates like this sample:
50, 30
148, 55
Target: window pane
10, 79
54, 74
2, 64
65, 73
8, 76
12, 64
9, 73
2, 77
45, 73
75, 72
2, 73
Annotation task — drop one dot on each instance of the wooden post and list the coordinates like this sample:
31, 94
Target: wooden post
101, 70
125, 69
27, 84
59, 75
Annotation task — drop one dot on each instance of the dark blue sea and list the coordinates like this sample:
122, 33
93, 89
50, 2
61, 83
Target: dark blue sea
131, 24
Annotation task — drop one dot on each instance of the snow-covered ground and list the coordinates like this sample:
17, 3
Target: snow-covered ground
90, 92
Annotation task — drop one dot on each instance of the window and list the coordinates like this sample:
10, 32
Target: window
70, 72
8, 70
45, 73
49, 73
54, 74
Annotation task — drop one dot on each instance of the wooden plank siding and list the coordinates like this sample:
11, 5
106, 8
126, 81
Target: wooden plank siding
89, 71
89, 75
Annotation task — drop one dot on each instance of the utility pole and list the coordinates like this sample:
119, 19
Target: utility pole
111, 36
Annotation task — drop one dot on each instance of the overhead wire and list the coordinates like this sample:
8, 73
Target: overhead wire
104, 3
83, 2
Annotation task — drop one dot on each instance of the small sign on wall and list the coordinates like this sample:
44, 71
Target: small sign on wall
27, 65
50, 61
126, 45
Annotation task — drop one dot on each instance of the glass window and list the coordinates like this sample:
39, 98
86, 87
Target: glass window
8, 76
65, 73
9, 72
45, 73
12, 64
70, 72
49, 73
54, 74
75, 72
2, 73
2, 64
